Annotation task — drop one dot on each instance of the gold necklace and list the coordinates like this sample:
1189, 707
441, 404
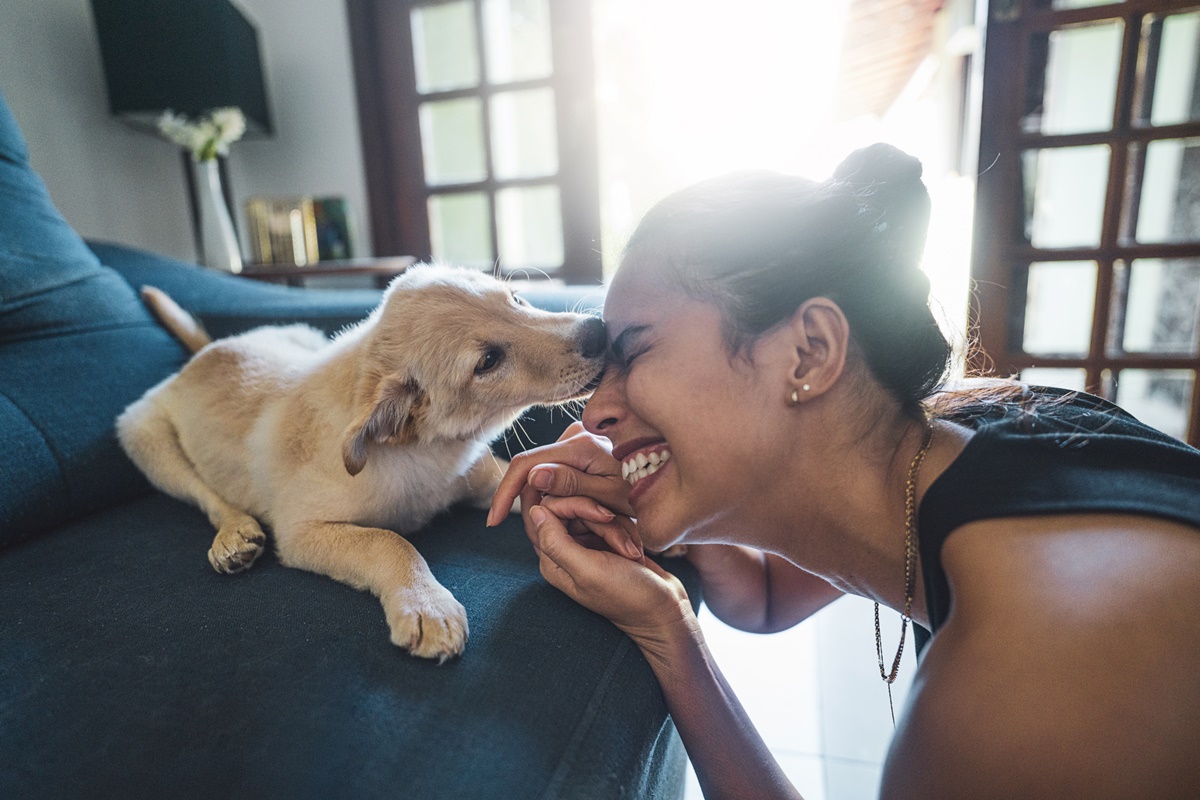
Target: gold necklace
910, 571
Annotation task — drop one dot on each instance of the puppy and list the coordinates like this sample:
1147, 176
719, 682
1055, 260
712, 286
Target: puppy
340, 446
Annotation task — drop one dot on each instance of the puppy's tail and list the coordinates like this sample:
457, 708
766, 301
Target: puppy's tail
182, 325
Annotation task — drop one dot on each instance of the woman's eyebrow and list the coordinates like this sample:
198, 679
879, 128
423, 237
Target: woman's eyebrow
621, 342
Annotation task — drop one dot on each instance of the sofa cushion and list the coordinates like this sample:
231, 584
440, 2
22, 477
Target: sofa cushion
131, 669
76, 347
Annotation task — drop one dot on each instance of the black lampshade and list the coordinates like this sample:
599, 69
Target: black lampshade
188, 56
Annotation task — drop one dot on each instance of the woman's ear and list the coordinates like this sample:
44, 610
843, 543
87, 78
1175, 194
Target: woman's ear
391, 414
820, 337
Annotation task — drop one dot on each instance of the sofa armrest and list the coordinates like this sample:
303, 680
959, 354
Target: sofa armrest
227, 304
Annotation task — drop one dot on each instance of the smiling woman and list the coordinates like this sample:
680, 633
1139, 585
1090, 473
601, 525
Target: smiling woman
774, 349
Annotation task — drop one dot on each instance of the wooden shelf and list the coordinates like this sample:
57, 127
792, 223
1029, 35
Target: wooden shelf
381, 269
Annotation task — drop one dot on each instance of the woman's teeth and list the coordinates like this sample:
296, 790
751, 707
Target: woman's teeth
641, 465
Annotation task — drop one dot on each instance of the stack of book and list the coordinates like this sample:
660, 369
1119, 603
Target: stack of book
282, 230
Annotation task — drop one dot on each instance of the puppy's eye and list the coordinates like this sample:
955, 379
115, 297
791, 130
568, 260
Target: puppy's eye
521, 301
489, 360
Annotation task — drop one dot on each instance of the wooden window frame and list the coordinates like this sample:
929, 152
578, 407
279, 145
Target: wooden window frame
1001, 255
388, 102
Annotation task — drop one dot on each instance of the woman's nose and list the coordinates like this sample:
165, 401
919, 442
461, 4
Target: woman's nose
605, 408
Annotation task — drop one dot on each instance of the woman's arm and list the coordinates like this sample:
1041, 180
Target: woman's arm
651, 606
755, 591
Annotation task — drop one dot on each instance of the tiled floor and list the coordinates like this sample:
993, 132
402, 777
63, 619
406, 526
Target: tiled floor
815, 695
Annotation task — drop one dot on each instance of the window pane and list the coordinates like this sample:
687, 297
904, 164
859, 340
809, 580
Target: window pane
1064, 195
524, 144
1161, 398
459, 229
452, 141
1075, 379
529, 227
445, 49
518, 39
1163, 306
1079, 83
1175, 79
1059, 5
1058, 308
1170, 203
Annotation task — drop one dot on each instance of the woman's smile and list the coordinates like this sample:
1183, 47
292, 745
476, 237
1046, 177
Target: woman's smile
641, 460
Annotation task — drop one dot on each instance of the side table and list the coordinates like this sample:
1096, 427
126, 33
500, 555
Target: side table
381, 269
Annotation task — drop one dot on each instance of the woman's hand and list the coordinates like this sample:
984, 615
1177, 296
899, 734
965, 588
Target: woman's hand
578, 464
641, 598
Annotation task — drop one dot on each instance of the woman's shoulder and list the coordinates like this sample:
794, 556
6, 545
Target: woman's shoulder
1065, 658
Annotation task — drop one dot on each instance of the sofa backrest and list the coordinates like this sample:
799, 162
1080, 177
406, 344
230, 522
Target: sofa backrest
76, 347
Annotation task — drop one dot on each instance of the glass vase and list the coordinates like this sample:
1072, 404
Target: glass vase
218, 242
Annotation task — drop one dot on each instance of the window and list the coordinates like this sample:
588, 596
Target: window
479, 132
1087, 239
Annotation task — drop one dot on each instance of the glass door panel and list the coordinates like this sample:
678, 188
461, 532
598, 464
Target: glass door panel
518, 40
1078, 83
1161, 398
1162, 307
1062, 5
1064, 195
445, 50
459, 229
1063, 378
1169, 92
1059, 303
524, 144
452, 141
529, 227
1168, 208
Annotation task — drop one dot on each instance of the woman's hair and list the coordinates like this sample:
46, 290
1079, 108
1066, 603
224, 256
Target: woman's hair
758, 244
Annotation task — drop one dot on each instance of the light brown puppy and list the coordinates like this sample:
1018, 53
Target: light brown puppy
338, 446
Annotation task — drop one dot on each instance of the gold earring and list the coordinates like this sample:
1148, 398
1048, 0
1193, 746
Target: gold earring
806, 387
795, 397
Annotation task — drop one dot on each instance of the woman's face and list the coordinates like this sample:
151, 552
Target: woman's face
695, 425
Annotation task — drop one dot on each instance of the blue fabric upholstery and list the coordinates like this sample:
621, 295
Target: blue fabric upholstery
76, 347
131, 669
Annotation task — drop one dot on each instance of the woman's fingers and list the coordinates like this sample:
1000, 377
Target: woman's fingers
561, 480
581, 452
619, 533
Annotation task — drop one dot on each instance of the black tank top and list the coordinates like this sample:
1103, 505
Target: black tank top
1069, 452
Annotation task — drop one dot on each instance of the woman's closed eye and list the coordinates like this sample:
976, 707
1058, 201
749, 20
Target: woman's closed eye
627, 347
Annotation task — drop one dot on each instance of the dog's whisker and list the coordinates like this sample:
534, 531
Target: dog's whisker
518, 426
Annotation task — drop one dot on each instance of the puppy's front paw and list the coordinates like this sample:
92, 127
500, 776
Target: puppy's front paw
237, 545
427, 621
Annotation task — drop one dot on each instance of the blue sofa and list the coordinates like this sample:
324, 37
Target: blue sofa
129, 668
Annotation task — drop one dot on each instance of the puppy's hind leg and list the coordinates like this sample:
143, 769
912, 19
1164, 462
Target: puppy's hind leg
424, 618
150, 440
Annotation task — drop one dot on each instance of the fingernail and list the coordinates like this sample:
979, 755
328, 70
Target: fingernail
604, 512
541, 479
538, 515
632, 549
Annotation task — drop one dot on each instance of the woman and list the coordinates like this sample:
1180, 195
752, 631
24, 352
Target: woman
773, 404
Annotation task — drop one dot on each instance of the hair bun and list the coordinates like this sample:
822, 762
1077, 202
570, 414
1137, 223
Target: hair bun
879, 163
886, 181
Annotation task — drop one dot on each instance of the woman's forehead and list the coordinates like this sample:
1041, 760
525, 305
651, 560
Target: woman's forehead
631, 296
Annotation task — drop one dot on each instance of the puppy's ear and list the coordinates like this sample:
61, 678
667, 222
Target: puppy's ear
391, 415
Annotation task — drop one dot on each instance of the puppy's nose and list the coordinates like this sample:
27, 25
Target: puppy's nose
593, 338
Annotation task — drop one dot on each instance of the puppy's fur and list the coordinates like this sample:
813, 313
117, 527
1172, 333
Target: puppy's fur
337, 447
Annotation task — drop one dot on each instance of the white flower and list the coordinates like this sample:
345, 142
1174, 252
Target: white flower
206, 137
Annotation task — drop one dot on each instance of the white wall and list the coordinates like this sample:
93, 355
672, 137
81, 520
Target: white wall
113, 183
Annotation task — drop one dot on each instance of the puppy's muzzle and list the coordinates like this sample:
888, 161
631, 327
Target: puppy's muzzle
592, 338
